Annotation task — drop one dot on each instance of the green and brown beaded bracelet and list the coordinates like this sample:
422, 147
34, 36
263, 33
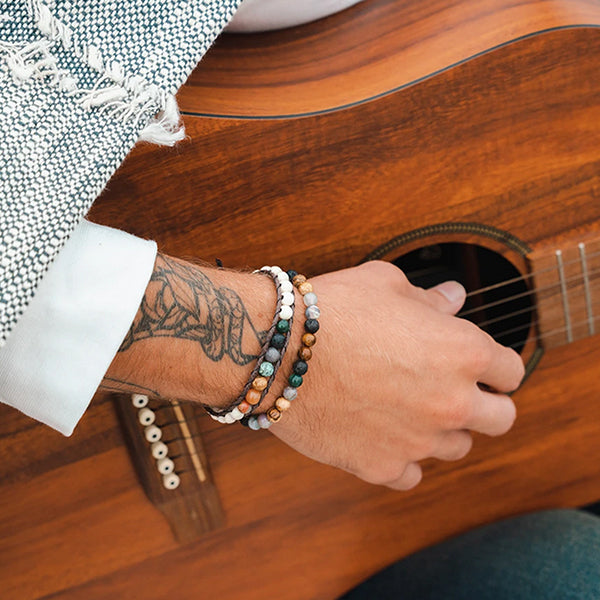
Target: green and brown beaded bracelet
300, 366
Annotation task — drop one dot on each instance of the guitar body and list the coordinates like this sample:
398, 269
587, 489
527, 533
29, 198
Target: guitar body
319, 148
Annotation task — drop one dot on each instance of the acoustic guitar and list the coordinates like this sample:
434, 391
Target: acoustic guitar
455, 139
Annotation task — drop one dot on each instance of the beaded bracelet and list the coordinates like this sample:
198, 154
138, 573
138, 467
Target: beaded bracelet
270, 357
300, 366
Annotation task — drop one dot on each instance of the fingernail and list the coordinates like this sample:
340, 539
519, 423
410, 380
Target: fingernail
452, 290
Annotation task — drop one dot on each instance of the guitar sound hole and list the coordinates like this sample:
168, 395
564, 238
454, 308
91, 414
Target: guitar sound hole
504, 310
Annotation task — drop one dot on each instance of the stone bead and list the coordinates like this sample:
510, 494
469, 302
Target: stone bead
311, 325
286, 286
229, 419
304, 353
290, 393
282, 404
298, 279
266, 369
253, 396
276, 270
281, 277
260, 383
310, 299
300, 367
282, 326
295, 380
273, 414
312, 312
253, 423
237, 414
292, 274
305, 288
287, 298
244, 406
272, 355
308, 339
278, 340
263, 421
286, 312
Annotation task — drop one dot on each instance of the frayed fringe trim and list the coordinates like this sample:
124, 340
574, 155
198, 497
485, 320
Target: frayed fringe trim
126, 98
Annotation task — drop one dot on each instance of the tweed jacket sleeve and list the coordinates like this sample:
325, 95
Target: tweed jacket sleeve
80, 83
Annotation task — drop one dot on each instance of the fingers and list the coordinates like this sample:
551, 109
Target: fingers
491, 414
453, 445
504, 370
447, 297
410, 478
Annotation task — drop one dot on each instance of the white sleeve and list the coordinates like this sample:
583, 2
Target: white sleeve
63, 344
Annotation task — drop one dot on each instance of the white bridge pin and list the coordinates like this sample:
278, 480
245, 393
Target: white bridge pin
171, 481
146, 416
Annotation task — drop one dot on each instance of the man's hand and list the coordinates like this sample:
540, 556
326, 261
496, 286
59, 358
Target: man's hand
395, 378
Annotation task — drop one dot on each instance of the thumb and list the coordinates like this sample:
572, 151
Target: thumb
448, 297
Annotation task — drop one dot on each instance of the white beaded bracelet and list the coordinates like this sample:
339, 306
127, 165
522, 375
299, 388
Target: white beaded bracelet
271, 354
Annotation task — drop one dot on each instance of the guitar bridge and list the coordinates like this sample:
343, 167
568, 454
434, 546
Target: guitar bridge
166, 448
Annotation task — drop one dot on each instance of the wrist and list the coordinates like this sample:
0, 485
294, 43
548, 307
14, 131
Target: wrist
297, 360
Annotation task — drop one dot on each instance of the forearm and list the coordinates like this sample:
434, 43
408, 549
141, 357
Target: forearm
396, 378
196, 335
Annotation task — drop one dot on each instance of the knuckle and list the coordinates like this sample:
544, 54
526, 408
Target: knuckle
410, 478
458, 413
423, 449
387, 270
517, 372
382, 473
480, 347
463, 447
484, 354
509, 418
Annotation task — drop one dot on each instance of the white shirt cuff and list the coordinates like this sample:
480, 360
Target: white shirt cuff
62, 346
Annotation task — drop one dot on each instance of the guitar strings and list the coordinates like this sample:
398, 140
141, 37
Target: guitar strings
548, 334
515, 313
554, 286
522, 278
542, 336
499, 319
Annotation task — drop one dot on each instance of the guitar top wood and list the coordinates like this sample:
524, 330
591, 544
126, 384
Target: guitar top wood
402, 116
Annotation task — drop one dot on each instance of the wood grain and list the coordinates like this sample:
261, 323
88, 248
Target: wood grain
370, 49
510, 138
98, 536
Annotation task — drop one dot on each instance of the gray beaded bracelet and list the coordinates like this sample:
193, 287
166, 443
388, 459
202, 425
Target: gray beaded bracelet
300, 367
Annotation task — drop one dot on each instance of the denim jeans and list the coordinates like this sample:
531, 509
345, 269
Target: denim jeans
550, 555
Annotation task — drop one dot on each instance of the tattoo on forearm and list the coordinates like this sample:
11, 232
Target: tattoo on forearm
182, 302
